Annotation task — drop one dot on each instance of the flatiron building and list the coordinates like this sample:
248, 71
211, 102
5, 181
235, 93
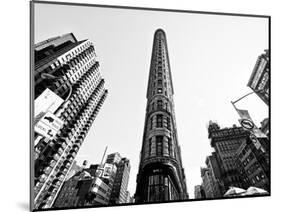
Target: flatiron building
161, 175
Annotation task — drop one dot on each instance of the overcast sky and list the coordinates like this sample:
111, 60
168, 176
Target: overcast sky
211, 57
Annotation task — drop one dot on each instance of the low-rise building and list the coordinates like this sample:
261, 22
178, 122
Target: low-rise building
253, 163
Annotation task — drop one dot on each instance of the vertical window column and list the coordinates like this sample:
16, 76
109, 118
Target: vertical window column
159, 145
153, 147
151, 123
159, 120
165, 146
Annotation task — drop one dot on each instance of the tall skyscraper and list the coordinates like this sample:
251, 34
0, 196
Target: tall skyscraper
113, 158
121, 179
253, 163
161, 175
68, 94
211, 177
259, 80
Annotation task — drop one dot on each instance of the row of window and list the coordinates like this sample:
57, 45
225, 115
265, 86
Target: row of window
159, 104
258, 178
76, 98
77, 71
254, 167
248, 159
160, 188
229, 145
75, 51
234, 178
160, 146
161, 122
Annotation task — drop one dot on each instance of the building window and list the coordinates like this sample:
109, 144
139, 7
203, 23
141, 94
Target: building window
159, 141
257, 178
150, 147
160, 74
168, 123
159, 90
151, 123
152, 106
160, 188
170, 146
159, 104
159, 120
159, 82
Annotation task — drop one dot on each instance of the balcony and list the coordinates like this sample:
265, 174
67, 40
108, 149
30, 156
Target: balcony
48, 198
56, 182
56, 156
63, 169
70, 158
51, 189
60, 175
47, 170
42, 178
52, 163
75, 148
80, 137
72, 153
67, 164
76, 145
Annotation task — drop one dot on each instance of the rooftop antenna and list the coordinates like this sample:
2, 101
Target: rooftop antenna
103, 155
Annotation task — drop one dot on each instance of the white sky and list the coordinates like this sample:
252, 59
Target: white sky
211, 57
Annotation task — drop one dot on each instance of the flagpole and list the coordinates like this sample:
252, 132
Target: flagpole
242, 98
234, 102
103, 155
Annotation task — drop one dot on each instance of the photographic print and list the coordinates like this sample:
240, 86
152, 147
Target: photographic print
140, 105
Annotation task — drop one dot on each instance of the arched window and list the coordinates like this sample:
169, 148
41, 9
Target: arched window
151, 123
159, 145
168, 123
170, 147
152, 106
159, 104
150, 147
159, 120
159, 90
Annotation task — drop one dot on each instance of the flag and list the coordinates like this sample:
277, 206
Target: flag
248, 124
244, 114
